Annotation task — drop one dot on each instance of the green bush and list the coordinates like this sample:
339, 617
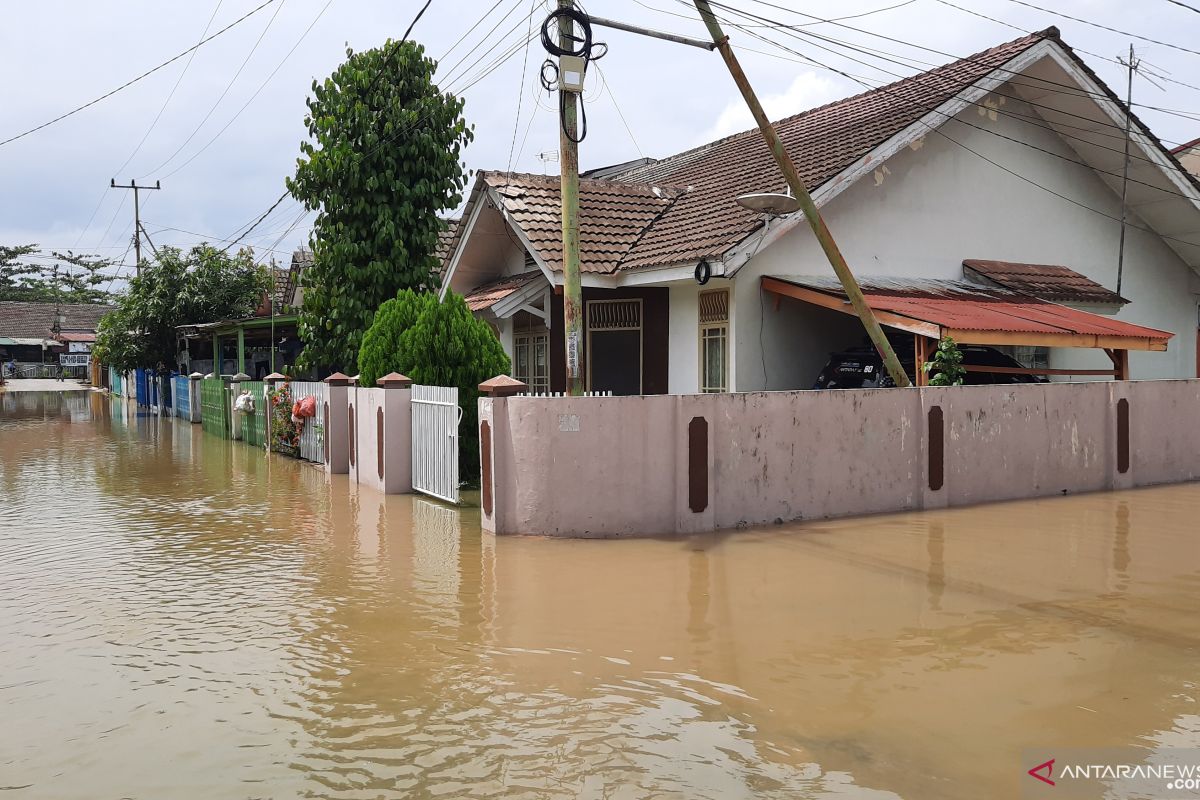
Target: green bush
946, 365
436, 344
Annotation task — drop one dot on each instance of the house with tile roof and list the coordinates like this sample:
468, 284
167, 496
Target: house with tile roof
37, 333
980, 199
1189, 155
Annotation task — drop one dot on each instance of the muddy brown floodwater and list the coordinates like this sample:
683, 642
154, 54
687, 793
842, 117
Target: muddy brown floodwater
181, 617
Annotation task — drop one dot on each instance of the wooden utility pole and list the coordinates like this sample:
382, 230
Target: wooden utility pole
1133, 66
568, 135
137, 217
811, 213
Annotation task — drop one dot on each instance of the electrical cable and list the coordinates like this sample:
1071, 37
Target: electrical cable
938, 130
179, 80
964, 122
1103, 27
1032, 121
257, 91
223, 94
552, 27
521, 89
1042, 83
145, 74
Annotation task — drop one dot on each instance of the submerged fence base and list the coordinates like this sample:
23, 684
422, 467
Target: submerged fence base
621, 466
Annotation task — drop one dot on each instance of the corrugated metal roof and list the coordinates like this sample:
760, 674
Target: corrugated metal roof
959, 305
1044, 281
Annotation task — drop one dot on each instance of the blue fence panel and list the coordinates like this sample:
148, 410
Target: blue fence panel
143, 387
181, 396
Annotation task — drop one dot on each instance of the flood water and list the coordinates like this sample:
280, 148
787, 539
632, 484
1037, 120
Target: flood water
182, 617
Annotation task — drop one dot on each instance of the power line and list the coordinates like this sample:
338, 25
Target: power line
145, 74
938, 130
1103, 27
412, 126
1184, 5
955, 95
1109, 59
521, 88
257, 91
225, 91
1042, 83
187, 65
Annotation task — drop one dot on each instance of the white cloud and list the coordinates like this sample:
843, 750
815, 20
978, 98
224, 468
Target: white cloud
808, 90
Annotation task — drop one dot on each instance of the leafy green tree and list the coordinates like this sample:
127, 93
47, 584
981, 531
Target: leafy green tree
382, 160
439, 344
71, 278
946, 366
201, 285
15, 274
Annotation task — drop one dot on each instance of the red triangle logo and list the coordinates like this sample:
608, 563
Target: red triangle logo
1049, 769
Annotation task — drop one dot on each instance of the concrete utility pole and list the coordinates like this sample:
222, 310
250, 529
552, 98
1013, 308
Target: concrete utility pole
137, 218
815, 221
568, 136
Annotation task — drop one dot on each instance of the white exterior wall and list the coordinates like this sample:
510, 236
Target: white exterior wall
940, 204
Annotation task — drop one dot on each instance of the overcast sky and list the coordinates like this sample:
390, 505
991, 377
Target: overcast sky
647, 98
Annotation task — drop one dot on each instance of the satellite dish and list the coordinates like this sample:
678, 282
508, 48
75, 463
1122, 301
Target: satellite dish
772, 203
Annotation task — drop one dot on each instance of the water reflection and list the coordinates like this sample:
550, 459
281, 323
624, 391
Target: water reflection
182, 616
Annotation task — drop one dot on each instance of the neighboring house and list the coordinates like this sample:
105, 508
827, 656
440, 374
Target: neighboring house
1010, 156
1189, 156
257, 345
42, 332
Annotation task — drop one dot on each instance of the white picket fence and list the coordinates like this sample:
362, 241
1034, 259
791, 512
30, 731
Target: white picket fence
312, 438
435, 419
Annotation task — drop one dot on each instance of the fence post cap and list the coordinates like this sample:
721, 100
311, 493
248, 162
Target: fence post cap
195, 376
275, 377
241, 376
394, 380
502, 386
338, 379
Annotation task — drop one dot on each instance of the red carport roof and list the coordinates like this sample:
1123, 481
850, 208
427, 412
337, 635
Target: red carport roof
974, 314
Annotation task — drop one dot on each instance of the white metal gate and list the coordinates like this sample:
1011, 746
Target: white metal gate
312, 436
435, 418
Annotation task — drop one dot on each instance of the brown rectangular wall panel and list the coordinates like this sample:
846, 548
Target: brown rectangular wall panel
353, 434
698, 464
485, 463
1122, 436
937, 448
379, 440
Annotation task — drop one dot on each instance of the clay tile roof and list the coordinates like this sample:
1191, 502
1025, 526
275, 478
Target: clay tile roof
488, 294
1044, 281
823, 141
683, 208
613, 216
32, 320
445, 238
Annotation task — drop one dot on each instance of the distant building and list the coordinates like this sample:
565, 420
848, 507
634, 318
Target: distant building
1189, 155
38, 333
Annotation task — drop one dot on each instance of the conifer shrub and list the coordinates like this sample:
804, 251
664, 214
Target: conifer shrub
436, 344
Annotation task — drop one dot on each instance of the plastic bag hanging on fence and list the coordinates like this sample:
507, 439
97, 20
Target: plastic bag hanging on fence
303, 408
244, 403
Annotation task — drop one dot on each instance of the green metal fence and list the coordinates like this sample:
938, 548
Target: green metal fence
214, 407
254, 426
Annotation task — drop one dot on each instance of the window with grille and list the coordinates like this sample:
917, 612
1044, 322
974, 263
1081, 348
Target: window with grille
531, 359
714, 340
614, 315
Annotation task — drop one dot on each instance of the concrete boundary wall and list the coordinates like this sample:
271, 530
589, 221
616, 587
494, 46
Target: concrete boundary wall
622, 466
